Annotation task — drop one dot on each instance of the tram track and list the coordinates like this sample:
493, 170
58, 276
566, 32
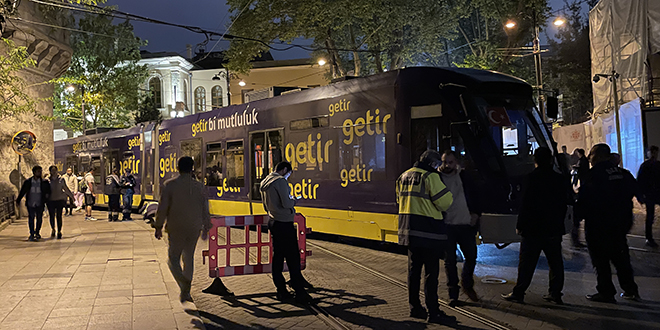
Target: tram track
476, 317
327, 318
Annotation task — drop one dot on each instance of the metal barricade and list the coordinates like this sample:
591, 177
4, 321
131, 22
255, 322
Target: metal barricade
242, 245
7, 209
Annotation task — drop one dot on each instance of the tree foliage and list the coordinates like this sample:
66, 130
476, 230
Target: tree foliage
363, 36
147, 110
14, 100
106, 68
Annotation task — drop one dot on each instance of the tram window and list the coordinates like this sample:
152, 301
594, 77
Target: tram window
266, 148
308, 123
96, 167
193, 148
72, 162
235, 164
84, 165
274, 150
213, 174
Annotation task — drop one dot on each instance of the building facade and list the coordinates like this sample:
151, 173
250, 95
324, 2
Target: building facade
170, 82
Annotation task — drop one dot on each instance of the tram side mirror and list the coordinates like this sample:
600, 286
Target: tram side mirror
552, 107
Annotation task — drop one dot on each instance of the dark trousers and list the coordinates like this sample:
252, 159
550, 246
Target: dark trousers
55, 211
285, 246
127, 204
575, 231
530, 250
69, 205
114, 206
650, 215
38, 214
612, 249
464, 236
428, 258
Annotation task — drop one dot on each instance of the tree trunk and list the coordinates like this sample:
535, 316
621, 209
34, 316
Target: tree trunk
377, 60
466, 39
356, 56
334, 55
396, 61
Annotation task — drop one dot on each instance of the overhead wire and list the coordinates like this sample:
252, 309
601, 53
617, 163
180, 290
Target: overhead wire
227, 30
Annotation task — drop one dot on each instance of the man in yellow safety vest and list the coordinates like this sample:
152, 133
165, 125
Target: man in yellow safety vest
422, 199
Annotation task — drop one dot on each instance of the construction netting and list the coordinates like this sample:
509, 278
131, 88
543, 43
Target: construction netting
623, 34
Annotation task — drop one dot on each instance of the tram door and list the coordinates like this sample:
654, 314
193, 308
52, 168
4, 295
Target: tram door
265, 152
427, 129
110, 162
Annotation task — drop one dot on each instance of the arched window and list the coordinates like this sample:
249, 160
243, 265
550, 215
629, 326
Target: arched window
200, 99
216, 97
185, 93
155, 88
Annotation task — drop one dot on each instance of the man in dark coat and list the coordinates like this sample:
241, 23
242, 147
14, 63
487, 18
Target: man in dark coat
606, 201
541, 225
582, 169
649, 184
36, 191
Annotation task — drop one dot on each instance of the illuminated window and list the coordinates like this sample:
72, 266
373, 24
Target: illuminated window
200, 99
216, 97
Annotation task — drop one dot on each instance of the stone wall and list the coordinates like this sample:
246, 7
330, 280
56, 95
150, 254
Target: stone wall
50, 48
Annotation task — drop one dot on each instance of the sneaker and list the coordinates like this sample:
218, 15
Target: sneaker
52, 233
513, 297
630, 296
418, 313
470, 293
92, 219
599, 297
185, 297
59, 235
553, 298
439, 317
283, 295
651, 243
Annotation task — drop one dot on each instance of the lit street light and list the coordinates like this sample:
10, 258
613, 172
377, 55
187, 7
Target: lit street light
510, 24
71, 88
559, 21
241, 83
321, 62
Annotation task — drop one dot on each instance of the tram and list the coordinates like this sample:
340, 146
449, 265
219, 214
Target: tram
348, 142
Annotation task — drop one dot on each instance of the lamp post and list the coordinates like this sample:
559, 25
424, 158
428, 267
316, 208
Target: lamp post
224, 74
613, 77
536, 51
71, 88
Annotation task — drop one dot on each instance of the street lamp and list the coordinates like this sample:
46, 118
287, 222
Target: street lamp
72, 88
613, 77
321, 62
224, 74
536, 51
241, 83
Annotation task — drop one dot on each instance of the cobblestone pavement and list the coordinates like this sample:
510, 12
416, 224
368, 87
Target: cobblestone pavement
361, 300
100, 275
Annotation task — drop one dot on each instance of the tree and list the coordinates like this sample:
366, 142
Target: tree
14, 100
364, 36
104, 62
147, 111
570, 66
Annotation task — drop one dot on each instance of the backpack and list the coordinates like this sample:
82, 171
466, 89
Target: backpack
82, 186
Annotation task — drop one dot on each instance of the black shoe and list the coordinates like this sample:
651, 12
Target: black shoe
418, 313
52, 234
599, 297
630, 296
37, 236
513, 297
470, 293
59, 235
302, 297
651, 243
454, 303
31, 238
305, 284
440, 317
284, 295
553, 298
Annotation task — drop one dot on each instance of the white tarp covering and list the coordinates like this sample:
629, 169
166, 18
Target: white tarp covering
603, 129
622, 33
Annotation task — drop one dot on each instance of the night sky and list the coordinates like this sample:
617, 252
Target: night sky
207, 14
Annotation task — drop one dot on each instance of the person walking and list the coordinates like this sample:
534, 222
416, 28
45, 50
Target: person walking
582, 168
72, 183
541, 225
36, 192
184, 211
606, 201
88, 185
128, 183
648, 178
113, 190
461, 220
59, 193
279, 204
422, 199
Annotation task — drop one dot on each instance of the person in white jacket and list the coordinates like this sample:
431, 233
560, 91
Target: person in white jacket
184, 211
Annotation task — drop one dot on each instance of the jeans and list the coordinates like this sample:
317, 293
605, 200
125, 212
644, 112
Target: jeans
464, 236
612, 249
530, 250
55, 211
428, 258
285, 246
38, 214
182, 246
127, 203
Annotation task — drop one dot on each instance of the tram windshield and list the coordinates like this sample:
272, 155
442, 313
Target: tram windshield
514, 129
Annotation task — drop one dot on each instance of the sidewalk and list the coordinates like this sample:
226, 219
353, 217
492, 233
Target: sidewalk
100, 275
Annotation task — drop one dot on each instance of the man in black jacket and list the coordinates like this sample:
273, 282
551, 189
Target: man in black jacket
649, 183
582, 169
606, 201
541, 225
36, 191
